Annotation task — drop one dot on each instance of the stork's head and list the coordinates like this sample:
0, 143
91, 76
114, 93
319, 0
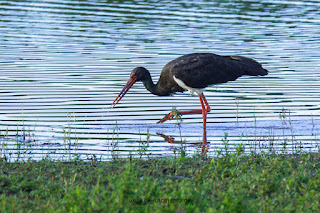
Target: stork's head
137, 74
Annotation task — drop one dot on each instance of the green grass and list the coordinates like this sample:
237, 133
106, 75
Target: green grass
231, 183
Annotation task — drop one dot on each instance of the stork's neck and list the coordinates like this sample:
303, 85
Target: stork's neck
150, 86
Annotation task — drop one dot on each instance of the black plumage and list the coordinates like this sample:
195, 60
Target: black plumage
199, 70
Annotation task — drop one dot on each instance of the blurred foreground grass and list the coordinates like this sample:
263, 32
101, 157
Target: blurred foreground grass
231, 183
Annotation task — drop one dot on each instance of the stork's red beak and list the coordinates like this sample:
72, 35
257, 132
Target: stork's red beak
125, 89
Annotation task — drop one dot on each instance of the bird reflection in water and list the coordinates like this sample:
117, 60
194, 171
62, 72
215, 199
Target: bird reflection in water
204, 147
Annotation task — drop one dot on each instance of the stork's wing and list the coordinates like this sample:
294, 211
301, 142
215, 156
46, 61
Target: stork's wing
198, 70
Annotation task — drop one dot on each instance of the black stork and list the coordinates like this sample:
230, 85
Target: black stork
194, 72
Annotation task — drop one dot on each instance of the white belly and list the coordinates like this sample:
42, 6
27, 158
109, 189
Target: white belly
184, 86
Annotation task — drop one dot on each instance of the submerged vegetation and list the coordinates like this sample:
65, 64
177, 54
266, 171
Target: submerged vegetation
229, 183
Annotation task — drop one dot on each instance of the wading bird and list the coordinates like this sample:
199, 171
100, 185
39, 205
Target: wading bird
194, 72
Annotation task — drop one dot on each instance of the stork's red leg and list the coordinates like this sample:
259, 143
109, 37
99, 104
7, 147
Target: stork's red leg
201, 97
208, 109
205, 108
204, 118
171, 116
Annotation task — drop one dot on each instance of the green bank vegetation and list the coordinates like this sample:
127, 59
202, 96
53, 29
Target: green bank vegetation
229, 183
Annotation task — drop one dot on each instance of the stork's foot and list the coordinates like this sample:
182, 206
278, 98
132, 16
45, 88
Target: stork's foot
170, 116
165, 118
173, 114
177, 114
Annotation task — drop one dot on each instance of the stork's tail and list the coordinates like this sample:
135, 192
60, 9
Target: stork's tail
254, 68
259, 71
